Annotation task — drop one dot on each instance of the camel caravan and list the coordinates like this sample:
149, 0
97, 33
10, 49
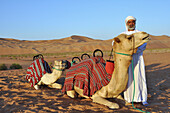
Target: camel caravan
89, 77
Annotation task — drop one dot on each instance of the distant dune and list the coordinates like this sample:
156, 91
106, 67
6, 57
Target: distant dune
73, 43
159, 42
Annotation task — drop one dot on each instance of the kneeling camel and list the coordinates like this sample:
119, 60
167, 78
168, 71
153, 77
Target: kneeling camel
126, 44
51, 78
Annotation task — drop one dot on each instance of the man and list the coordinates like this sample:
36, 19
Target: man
139, 69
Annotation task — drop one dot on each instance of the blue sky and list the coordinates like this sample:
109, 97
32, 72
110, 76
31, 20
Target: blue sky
97, 19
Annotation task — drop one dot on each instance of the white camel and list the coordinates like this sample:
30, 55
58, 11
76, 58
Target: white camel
124, 46
49, 79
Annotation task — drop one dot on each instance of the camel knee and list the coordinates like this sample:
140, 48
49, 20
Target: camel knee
72, 94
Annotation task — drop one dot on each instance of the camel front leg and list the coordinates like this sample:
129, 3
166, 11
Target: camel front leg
100, 100
55, 85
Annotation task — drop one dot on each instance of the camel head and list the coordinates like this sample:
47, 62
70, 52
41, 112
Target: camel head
129, 43
59, 65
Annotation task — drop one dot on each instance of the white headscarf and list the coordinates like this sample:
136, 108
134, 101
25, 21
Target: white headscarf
127, 19
127, 32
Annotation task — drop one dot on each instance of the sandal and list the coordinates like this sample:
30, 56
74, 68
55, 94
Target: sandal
145, 104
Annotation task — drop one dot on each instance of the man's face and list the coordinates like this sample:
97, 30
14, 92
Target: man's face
131, 24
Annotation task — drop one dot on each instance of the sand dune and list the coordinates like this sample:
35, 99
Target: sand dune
69, 44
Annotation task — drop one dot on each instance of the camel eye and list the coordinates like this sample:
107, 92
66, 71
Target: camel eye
130, 38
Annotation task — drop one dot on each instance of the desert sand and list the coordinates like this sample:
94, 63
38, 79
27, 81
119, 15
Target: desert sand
16, 95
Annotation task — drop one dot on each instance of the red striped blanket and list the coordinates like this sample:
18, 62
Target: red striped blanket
89, 75
36, 70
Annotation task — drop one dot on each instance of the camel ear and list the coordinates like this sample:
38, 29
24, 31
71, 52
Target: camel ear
116, 39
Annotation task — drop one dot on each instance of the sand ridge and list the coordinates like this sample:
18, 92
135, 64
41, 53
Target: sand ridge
69, 44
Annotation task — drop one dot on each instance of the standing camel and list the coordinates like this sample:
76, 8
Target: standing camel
124, 46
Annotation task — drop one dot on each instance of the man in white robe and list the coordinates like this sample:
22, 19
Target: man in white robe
139, 69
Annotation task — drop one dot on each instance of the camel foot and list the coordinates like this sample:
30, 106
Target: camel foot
72, 94
114, 106
103, 101
55, 85
36, 87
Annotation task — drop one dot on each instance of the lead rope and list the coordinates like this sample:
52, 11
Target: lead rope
134, 80
111, 56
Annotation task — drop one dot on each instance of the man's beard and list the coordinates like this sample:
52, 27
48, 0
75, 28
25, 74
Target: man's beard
131, 27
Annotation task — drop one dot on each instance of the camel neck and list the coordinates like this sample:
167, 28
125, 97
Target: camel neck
119, 78
56, 71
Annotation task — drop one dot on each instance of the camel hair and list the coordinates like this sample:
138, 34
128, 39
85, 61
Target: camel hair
126, 44
49, 79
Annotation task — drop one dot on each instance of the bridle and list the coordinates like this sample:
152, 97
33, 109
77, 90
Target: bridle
58, 66
123, 54
58, 69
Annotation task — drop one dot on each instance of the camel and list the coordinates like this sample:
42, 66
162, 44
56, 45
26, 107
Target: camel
122, 44
49, 79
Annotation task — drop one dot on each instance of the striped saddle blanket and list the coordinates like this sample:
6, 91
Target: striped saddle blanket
36, 70
89, 75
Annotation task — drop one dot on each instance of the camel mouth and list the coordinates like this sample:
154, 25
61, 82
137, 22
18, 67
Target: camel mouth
147, 37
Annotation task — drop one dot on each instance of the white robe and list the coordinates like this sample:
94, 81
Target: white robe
139, 76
